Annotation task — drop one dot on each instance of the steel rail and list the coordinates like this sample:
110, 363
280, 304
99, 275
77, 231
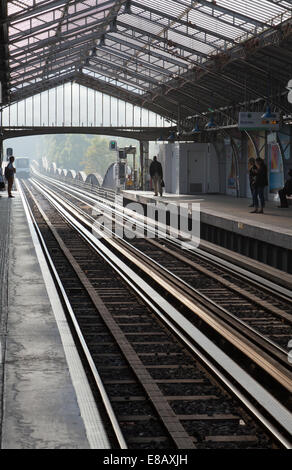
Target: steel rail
236, 270
244, 380
82, 342
233, 336
232, 286
191, 289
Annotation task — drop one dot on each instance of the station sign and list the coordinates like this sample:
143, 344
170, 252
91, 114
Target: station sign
249, 121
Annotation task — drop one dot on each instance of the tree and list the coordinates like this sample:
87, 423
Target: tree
98, 157
83, 152
66, 150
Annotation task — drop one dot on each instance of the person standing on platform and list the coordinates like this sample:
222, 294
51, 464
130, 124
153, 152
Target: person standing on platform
252, 176
9, 175
261, 181
286, 191
156, 174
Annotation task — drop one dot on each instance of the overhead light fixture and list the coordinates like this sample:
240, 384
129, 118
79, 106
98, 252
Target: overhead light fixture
211, 123
268, 114
196, 129
128, 8
171, 136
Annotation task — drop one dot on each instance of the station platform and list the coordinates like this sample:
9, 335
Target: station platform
44, 394
231, 214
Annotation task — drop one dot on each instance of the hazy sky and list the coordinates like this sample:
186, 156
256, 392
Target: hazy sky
23, 146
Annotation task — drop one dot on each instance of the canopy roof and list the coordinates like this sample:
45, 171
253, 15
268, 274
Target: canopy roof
178, 58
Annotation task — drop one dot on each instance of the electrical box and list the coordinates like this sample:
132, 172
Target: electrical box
189, 168
122, 154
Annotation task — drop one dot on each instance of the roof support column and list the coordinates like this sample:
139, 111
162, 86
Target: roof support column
236, 157
1, 150
1, 134
4, 72
144, 163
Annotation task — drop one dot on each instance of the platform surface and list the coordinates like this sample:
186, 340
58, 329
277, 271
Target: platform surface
233, 214
39, 408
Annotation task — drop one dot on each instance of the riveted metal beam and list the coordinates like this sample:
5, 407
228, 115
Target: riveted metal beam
185, 23
4, 53
162, 39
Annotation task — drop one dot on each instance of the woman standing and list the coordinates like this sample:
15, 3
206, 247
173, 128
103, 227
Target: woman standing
2, 183
261, 181
252, 176
9, 175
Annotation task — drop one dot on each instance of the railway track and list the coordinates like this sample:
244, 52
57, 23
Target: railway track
252, 304
164, 390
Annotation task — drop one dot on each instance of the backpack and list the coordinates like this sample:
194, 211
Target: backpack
8, 172
2, 184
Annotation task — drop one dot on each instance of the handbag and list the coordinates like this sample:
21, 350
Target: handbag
8, 172
162, 184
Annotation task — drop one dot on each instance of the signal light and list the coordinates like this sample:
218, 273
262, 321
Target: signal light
113, 145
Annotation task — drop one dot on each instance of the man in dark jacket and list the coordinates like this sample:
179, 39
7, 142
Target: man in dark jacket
156, 175
252, 176
9, 175
261, 181
286, 191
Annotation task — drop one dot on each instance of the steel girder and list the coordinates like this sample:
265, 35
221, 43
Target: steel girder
195, 27
47, 24
142, 57
235, 15
138, 133
4, 52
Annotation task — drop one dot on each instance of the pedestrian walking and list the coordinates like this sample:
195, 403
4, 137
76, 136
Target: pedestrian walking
156, 174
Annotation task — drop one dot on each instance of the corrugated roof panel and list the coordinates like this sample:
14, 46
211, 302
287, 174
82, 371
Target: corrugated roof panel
160, 34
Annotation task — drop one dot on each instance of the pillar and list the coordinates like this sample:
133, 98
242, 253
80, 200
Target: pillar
1, 150
1, 135
144, 161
